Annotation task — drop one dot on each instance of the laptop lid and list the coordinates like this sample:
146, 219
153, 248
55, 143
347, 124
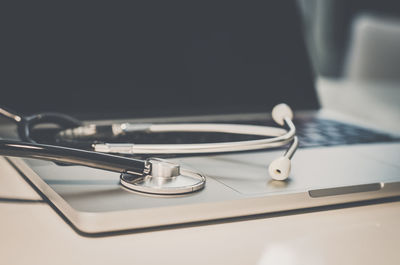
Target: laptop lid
155, 58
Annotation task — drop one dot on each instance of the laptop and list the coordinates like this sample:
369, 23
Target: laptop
196, 62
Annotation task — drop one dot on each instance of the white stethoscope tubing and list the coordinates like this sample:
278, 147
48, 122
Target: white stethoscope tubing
222, 128
279, 169
280, 137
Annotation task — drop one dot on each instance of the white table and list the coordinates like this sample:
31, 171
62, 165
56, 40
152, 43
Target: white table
32, 232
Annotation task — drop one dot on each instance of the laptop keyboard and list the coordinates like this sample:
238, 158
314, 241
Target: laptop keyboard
320, 132
316, 132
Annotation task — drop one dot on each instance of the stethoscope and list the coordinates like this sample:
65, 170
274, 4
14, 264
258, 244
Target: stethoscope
152, 175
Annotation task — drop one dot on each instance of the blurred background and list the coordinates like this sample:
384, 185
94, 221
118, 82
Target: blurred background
355, 49
154, 58
353, 39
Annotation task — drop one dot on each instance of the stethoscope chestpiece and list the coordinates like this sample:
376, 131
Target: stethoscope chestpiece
164, 177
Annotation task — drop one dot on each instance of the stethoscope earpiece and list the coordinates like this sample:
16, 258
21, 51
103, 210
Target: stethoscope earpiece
280, 112
279, 169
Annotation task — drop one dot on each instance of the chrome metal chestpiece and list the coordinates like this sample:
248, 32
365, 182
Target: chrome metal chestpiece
164, 177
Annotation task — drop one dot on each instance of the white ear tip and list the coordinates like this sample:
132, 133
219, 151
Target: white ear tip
281, 111
279, 169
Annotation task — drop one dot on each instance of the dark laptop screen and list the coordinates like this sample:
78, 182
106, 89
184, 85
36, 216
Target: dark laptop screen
154, 58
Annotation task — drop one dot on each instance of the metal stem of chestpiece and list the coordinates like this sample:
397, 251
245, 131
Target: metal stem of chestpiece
163, 169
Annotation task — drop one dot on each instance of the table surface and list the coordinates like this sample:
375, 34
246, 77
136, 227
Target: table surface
32, 232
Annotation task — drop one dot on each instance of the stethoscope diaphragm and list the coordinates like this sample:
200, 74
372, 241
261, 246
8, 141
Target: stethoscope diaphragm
164, 178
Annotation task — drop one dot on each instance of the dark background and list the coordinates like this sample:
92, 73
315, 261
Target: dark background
153, 58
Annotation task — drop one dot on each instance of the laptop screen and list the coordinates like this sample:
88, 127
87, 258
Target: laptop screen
155, 58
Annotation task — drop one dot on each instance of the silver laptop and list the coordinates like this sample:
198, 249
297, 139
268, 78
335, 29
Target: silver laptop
199, 64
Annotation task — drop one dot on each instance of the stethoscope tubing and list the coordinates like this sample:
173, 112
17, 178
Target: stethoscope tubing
26, 123
73, 156
282, 137
101, 158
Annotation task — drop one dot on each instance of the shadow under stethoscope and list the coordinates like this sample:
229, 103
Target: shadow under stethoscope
152, 195
279, 184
